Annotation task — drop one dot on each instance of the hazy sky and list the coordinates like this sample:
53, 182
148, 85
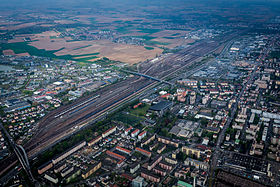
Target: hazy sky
265, 5
91, 2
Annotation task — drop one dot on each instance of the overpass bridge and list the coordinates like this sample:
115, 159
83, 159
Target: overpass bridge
149, 77
20, 153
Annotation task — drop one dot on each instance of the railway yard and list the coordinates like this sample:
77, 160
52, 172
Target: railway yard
140, 93
68, 119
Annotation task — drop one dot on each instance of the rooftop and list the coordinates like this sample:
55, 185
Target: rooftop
161, 106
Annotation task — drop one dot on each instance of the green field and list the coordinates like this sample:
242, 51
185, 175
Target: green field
53, 37
149, 48
140, 111
176, 34
23, 47
275, 54
118, 21
168, 37
149, 31
125, 29
92, 20
86, 58
149, 40
127, 118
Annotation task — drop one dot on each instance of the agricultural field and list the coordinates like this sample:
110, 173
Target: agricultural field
67, 38
54, 46
88, 36
119, 52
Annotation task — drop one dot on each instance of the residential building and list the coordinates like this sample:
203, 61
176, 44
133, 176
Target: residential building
91, 170
45, 167
123, 150
138, 182
142, 135
134, 168
109, 131
148, 175
51, 177
191, 151
115, 155
168, 141
143, 152
154, 162
148, 140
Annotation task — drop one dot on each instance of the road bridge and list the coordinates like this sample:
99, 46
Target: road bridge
149, 77
20, 153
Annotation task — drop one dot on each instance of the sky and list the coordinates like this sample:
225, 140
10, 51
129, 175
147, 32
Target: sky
92, 2
269, 5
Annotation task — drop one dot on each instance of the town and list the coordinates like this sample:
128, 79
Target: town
130, 95
170, 136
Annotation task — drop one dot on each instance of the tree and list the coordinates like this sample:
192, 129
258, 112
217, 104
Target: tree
204, 121
164, 132
256, 119
181, 156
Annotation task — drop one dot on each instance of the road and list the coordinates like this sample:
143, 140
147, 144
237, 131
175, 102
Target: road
20, 153
217, 150
149, 77
54, 129
51, 129
221, 137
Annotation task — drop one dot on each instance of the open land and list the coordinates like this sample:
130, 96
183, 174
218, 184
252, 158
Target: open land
166, 47
52, 128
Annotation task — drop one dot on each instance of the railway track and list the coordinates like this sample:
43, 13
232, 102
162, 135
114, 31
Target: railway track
85, 120
89, 113
54, 128
60, 123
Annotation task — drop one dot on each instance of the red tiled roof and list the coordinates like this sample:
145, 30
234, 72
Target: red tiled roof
202, 147
137, 130
109, 129
128, 129
50, 92
142, 150
40, 96
123, 149
115, 154
121, 161
95, 139
166, 95
142, 133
